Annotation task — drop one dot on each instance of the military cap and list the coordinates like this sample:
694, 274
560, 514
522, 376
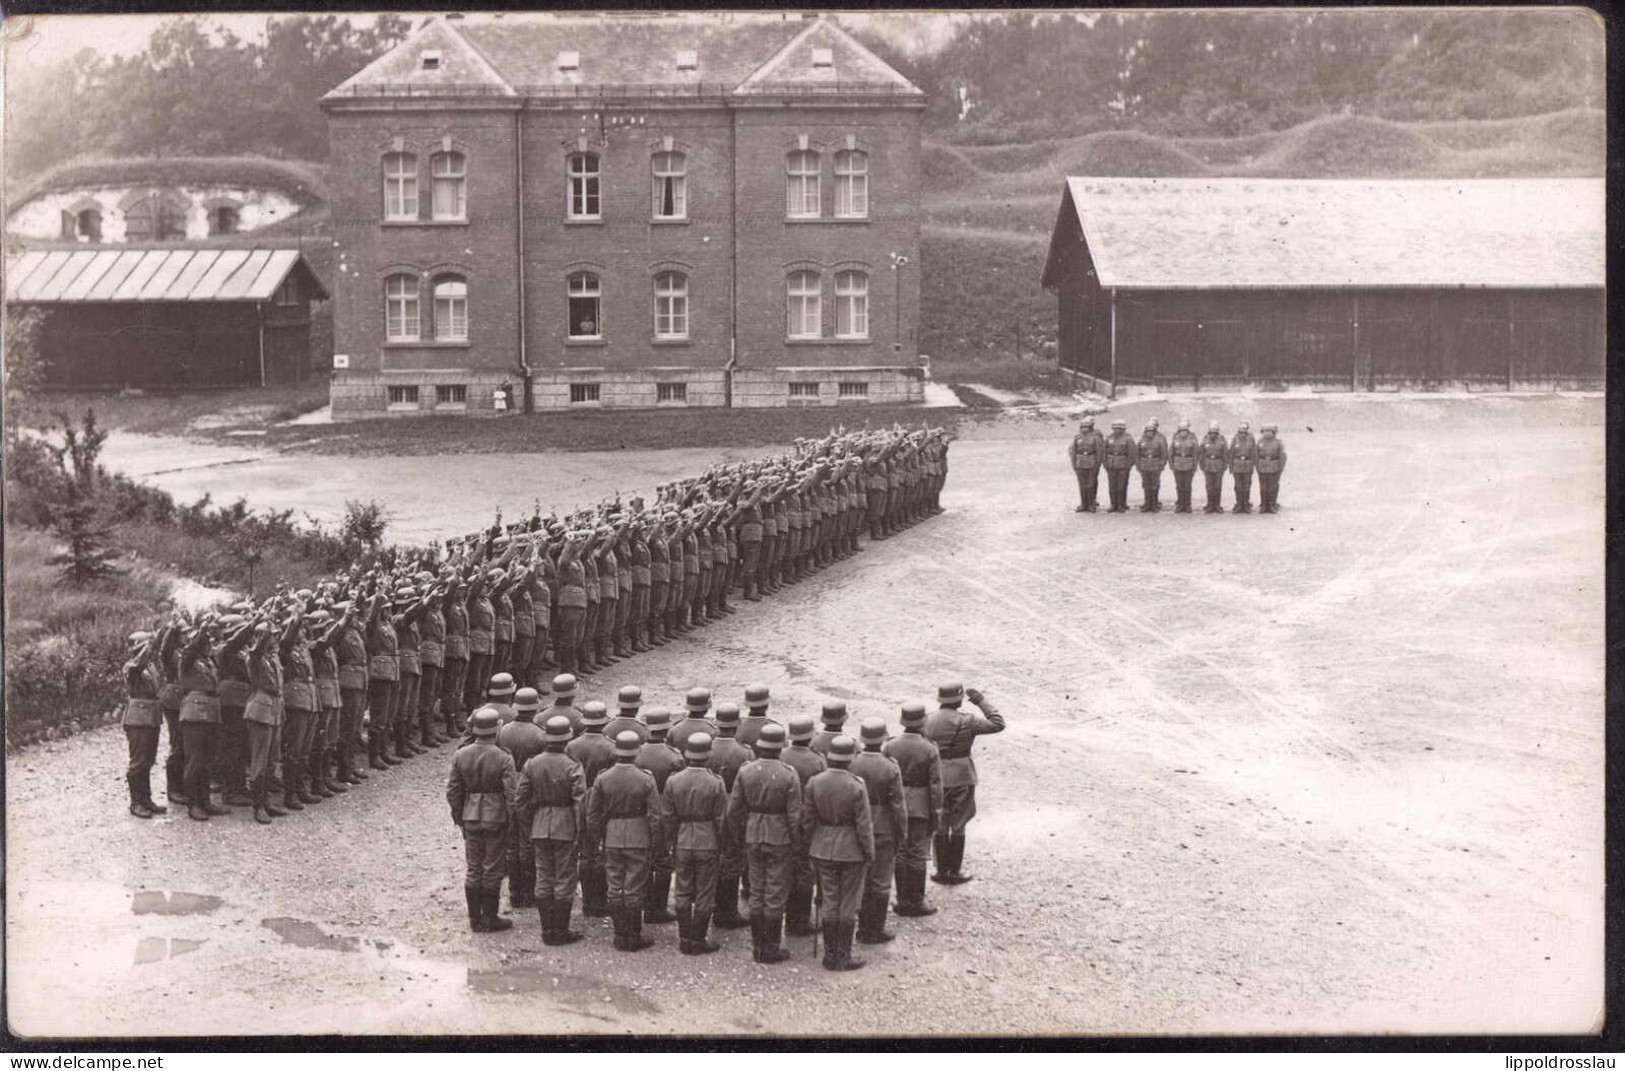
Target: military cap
727, 714
262, 628
318, 617
771, 738
873, 729
802, 727
1213, 425
756, 696
495, 576
1119, 423
627, 743
1088, 421
834, 712
527, 699
423, 576
304, 594
949, 691
1268, 427
1243, 426
485, 721
558, 727
564, 685
501, 684
1184, 424
698, 700
593, 713
1151, 423
407, 592
658, 719
697, 746
138, 637
841, 750
913, 713
630, 697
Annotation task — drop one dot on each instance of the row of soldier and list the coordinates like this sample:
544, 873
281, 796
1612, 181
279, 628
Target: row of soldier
1120, 454
269, 703
794, 822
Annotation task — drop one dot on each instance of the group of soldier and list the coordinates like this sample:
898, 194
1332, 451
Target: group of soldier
1120, 454
282, 703
807, 826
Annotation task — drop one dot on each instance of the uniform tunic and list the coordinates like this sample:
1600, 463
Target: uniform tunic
765, 814
624, 816
839, 833
954, 731
696, 809
480, 791
552, 807
921, 765
883, 781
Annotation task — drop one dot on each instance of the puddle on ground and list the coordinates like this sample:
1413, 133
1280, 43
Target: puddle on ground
153, 902
566, 988
308, 935
154, 949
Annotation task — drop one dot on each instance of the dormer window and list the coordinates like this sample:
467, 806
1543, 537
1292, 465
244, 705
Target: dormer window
688, 59
570, 60
823, 57
430, 59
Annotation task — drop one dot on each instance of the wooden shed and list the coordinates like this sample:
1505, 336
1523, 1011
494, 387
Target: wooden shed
169, 317
1223, 283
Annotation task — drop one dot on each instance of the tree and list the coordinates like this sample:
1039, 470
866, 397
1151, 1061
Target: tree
81, 525
80, 451
25, 364
362, 530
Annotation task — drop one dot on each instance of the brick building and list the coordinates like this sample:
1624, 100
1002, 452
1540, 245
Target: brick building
624, 211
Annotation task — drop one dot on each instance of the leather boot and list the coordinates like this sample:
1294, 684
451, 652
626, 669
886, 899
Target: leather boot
844, 959
330, 779
374, 760
798, 916
956, 848
262, 788
617, 914
544, 912
593, 890
635, 941
773, 950
941, 852
685, 926
699, 935
832, 945
521, 893
301, 773
562, 933
476, 910
755, 937
872, 920
911, 901
655, 897
494, 922
290, 791
728, 916
262, 813
349, 769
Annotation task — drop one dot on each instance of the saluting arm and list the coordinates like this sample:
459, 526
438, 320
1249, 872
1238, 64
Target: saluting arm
990, 720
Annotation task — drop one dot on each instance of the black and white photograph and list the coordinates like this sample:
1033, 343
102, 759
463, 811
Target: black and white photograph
777, 526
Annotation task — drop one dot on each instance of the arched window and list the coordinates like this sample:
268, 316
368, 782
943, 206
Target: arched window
449, 174
82, 226
805, 293
585, 319
400, 185
851, 184
851, 304
401, 315
157, 216
671, 305
224, 219
801, 189
583, 185
670, 185
451, 309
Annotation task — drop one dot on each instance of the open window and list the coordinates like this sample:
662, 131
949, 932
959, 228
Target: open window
585, 299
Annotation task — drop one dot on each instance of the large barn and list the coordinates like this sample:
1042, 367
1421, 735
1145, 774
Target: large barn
1216, 283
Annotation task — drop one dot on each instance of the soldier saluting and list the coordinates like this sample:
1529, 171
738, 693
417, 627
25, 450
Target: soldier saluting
1086, 451
1120, 455
954, 731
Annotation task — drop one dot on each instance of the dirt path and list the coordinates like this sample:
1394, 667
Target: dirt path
1337, 769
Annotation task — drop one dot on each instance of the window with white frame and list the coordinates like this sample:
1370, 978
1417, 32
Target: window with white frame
403, 397
585, 299
401, 312
671, 305
851, 184
454, 395
451, 309
851, 304
804, 291
583, 393
449, 197
670, 185
671, 392
801, 189
400, 185
583, 172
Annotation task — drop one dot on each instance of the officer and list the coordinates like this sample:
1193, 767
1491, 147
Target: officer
629, 701
840, 838
1085, 452
1182, 460
727, 756
564, 701
551, 805
954, 731
918, 759
593, 750
831, 719
1213, 456
697, 807
143, 680
883, 781
383, 680
481, 791
807, 764
659, 760
454, 674
1271, 462
1120, 454
625, 814
756, 701
1151, 459
1243, 459
764, 813
697, 705
523, 739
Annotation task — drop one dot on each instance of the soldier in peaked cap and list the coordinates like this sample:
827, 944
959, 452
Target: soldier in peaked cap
1120, 455
523, 739
1086, 451
696, 806
839, 833
625, 813
807, 764
1182, 460
954, 731
480, 791
564, 701
917, 758
1213, 458
697, 704
764, 813
883, 781
756, 701
657, 757
727, 756
629, 701
1243, 460
831, 718
594, 751
551, 805
1271, 462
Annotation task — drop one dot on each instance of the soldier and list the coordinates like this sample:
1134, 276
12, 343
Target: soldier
524, 627
727, 756
629, 701
169, 699
481, 792
659, 581
656, 757
1182, 460
198, 672
751, 532
807, 764
921, 766
1085, 453
323, 781
383, 678
541, 614
764, 814
624, 815
482, 624
593, 750
351, 647
954, 731
1151, 458
410, 686
831, 720
1120, 454
552, 809
454, 672
840, 838
300, 711
564, 701
696, 808
697, 704
883, 781
1243, 459
1271, 462
432, 661
143, 680
638, 619
756, 719
499, 693
572, 608
523, 739
263, 715
230, 761
1213, 455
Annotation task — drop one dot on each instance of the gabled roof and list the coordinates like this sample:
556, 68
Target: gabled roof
457, 64
850, 65
245, 273
1233, 233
